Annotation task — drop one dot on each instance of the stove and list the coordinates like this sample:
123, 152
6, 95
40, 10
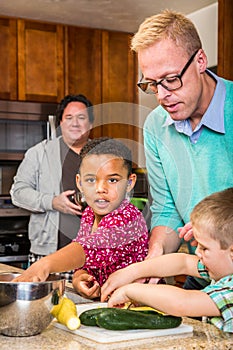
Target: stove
14, 241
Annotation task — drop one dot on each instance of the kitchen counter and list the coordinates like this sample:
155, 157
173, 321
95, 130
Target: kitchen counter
205, 336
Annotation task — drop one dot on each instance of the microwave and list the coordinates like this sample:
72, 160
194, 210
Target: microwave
22, 125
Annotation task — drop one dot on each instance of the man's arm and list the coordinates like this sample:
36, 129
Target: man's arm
163, 240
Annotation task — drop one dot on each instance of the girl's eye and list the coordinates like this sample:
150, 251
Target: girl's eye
113, 180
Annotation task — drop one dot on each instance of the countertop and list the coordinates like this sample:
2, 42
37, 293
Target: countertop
205, 336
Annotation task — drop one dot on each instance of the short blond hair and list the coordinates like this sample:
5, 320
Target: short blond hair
214, 214
167, 25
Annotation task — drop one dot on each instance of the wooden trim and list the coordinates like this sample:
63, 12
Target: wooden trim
225, 34
21, 59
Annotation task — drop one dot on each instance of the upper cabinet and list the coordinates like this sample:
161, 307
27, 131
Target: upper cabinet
8, 59
83, 69
119, 68
40, 61
44, 61
225, 43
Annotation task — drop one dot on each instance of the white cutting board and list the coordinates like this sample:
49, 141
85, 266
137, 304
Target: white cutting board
102, 335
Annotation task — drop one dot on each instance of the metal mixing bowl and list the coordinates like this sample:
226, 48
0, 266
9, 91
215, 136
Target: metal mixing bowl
25, 306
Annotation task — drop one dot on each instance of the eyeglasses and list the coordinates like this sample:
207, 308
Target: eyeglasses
170, 83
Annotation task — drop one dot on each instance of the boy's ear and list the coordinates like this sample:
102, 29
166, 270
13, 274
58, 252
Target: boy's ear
131, 182
78, 182
231, 252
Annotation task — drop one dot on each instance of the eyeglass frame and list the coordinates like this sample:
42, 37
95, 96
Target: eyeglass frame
155, 83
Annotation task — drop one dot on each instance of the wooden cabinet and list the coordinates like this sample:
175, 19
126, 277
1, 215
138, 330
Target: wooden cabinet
120, 108
119, 68
119, 91
100, 65
8, 68
225, 34
40, 61
83, 67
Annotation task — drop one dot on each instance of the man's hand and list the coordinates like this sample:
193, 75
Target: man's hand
64, 205
155, 249
186, 233
163, 240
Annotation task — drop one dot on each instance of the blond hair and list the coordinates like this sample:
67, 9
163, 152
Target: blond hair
214, 214
167, 25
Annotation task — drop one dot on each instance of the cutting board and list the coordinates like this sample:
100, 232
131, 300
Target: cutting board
102, 335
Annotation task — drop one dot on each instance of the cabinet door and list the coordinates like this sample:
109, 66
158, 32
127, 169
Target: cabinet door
225, 44
119, 90
8, 81
119, 68
40, 61
83, 62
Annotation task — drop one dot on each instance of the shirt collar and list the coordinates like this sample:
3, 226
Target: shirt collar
213, 118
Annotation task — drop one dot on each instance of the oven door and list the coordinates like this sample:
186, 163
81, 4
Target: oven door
14, 241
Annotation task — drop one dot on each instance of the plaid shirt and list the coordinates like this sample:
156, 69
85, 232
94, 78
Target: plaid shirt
221, 292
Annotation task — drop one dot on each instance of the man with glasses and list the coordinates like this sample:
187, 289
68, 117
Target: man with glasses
189, 136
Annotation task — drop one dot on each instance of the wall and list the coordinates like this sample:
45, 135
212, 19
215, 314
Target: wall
206, 21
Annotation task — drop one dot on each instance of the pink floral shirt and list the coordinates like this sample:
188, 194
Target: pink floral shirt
120, 239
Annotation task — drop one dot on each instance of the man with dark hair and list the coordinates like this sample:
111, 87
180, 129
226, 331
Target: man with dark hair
45, 179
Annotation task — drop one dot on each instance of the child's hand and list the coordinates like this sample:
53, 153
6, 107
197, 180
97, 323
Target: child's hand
115, 280
37, 272
86, 285
119, 297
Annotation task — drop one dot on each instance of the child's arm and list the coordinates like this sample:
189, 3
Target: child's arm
86, 285
70, 257
162, 266
168, 299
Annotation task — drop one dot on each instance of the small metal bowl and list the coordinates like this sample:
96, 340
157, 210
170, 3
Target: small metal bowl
25, 306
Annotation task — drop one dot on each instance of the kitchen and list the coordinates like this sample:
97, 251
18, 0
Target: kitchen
186, 347
27, 99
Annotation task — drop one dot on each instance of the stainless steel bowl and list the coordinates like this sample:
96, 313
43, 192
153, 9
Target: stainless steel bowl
25, 306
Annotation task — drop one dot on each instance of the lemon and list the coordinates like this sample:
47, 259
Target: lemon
66, 313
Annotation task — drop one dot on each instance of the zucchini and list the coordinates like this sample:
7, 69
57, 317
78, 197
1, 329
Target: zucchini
88, 317
121, 319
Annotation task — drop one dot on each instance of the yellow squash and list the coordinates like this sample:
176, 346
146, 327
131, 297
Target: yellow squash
66, 313
144, 308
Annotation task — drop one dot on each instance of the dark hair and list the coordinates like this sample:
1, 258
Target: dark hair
106, 145
74, 98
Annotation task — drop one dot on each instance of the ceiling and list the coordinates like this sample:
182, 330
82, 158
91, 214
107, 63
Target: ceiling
120, 15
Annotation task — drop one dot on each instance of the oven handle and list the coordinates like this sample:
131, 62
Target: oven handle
12, 258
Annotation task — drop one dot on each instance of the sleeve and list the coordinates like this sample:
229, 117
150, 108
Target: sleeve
222, 296
163, 208
203, 271
25, 190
